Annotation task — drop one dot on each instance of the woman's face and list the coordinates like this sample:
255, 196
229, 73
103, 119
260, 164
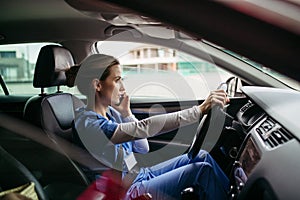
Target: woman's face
112, 87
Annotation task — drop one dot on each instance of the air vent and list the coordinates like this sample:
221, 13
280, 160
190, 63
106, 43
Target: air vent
246, 106
272, 133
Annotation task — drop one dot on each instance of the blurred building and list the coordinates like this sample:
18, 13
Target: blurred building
163, 59
15, 65
149, 57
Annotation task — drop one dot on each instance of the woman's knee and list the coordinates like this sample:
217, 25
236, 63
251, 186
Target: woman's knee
203, 156
203, 153
200, 166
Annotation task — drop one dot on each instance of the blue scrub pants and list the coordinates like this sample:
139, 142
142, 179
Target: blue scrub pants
166, 180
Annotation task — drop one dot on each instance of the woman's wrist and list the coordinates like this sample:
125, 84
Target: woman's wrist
203, 108
126, 113
130, 118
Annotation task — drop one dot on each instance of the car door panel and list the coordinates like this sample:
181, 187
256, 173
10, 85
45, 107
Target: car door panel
13, 105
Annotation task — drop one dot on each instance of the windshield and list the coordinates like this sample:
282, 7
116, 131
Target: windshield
286, 80
282, 78
156, 73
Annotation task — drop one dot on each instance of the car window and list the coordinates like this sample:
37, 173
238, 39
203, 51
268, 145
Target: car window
150, 72
17, 62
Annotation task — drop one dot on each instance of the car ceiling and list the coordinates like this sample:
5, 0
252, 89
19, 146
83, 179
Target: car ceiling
229, 25
35, 20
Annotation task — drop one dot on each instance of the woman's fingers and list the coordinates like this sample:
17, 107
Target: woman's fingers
219, 97
124, 106
215, 98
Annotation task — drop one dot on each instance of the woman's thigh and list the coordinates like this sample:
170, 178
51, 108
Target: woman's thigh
178, 162
170, 184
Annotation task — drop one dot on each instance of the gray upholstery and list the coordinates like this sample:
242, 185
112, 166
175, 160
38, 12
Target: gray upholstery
57, 114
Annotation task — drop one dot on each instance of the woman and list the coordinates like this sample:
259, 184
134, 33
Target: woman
107, 128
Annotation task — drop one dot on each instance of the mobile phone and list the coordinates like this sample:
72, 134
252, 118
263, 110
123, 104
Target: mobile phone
120, 100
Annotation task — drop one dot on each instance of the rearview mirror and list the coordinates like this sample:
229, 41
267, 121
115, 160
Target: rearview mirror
234, 85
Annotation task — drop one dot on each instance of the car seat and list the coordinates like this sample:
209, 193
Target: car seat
52, 112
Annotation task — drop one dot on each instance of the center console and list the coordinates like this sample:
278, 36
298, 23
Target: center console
246, 162
249, 154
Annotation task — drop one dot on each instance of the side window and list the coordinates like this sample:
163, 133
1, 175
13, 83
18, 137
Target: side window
156, 73
17, 64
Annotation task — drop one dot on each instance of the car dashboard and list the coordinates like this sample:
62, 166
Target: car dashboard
267, 164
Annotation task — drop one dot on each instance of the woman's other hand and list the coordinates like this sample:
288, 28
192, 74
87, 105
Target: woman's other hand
124, 105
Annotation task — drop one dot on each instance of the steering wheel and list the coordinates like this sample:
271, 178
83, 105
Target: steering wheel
199, 137
208, 130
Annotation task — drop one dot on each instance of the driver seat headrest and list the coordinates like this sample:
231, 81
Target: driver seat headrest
52, 62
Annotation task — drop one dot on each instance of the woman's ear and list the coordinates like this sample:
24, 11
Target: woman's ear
96, 84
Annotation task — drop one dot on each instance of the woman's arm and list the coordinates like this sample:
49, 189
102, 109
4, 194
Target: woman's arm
167, 122
141, 145
155, 125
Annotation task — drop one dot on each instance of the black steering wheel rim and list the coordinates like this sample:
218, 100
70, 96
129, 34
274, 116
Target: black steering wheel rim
199, 137
211, 123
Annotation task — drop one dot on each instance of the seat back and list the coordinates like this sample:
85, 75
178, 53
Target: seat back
57, 114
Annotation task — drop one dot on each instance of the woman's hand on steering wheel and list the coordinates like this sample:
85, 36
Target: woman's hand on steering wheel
216, 98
